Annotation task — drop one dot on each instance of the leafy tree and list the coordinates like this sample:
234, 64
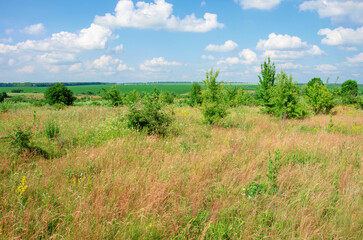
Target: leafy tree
319, 97
315, 80
349, 91
149, 115
166, 97
196, 94
266, 83
284, 100
59, 94
113, 95
213, 107
132, 97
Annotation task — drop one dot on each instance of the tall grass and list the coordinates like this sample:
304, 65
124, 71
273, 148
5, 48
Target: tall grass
106, 181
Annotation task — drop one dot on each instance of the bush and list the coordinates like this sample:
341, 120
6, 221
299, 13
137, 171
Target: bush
51, 129
166, 97
113, 95
349, 91
59, 94
195, 95
149, 115
315, 80
266, 83
3, 95
17, 91
132, 97
285, 100
213, 107
320, 98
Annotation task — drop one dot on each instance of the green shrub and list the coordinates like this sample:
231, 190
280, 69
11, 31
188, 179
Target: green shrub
349, 92
51, 129
166, 97
273, 170
315, 80
113, 95
285, 100
266, 83
213, 107
3, 95
195, 95
20, 140
132, 97
149, 115
59, 94
319, 97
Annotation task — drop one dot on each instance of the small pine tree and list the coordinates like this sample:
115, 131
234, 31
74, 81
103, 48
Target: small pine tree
213, 107
266, 83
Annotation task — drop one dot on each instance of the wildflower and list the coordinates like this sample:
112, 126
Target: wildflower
22, 187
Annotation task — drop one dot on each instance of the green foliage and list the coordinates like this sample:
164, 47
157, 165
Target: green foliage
349, 92
51, 129
266, 83
273, 170
319, 97
285, 100
149, 115
196, 94
238, 97
255, 188
213, 107
59, 94
132, 97
315, 80
20, 139
166, 97
113, 95
3, 95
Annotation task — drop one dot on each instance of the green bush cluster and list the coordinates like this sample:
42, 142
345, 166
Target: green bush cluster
59, 94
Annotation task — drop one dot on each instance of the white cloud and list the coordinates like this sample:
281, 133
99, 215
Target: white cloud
4, 48
35, 29
208, 57
356, 59
340, 11
279, 42
11, 62
52, 68
289, 65
315, 51
26, 69
157, 15
325, 68
228, 46
119, 48
57, 58
229, 60
248, 56
77, 67
154, 64
6, 40
258, 4
342, 36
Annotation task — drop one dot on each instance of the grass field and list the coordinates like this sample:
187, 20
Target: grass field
177, 88
103, 180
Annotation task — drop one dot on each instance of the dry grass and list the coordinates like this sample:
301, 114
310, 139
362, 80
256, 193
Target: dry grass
108, 182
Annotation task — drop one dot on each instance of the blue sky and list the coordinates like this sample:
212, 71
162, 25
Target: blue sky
168, 40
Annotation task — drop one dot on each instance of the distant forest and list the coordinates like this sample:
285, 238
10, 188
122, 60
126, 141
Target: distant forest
29, 84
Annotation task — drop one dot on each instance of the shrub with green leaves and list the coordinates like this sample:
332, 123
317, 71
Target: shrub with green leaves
319, 97
266, 83
20, 140
166, 97
132, 97
196, 95
113, 95
149, 115
59, 94
315, 80
285, 101
51, 129
213, 107
3, 95
349, 92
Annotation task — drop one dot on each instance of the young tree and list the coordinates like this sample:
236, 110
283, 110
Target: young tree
319, 97
266, 83
113, 95
59, 94
284, 101
315, 80
196, 94
349, 91
213, 108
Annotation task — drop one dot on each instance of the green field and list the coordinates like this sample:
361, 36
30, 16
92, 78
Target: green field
177, 88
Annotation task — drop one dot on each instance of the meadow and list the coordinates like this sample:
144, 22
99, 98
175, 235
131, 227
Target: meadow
100, 179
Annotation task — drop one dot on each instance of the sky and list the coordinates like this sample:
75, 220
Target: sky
124, 41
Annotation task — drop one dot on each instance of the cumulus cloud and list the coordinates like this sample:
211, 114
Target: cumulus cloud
229, 60
108, 64
57, 58
26, 69
342, 36
248, 56
119, 48
155, 64
279, 46
356, 59
279, 42
207, 57
228, 46
325, 68
35, 29
258, 4
340, 11
157, 15
6, 40
289, 65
